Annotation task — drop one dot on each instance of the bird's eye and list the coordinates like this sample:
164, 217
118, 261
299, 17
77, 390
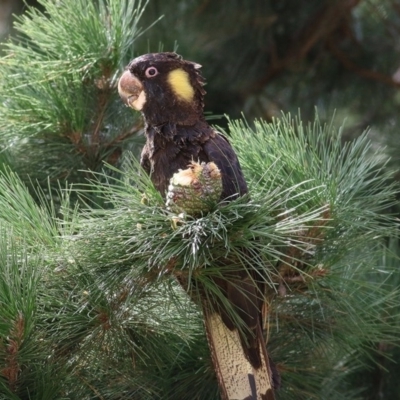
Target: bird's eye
151, 71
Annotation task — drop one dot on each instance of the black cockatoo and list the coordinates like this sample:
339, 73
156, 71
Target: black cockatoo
169, 93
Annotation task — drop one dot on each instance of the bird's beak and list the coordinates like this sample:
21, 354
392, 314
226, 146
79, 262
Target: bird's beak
131, 90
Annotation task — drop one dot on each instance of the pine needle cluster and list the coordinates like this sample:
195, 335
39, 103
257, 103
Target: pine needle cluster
105, 312
59, 107
90, 306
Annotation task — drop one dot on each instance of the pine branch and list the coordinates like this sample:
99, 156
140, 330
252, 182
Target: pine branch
59, 98
315, 219
90, 307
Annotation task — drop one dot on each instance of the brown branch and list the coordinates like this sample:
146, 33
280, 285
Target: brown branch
12, 368
201, 8
124, 135
103, 103
105, 87
294, 260
325, 22
396, 7
352, 66
322, 24
90, 386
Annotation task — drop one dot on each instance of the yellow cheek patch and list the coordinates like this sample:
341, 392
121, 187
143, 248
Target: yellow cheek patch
180, 84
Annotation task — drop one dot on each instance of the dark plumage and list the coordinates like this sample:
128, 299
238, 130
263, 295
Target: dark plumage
169, 93
176, 130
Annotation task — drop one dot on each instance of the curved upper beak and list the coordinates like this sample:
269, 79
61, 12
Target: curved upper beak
129, 89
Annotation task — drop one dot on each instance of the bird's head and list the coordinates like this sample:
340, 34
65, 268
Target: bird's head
164, 87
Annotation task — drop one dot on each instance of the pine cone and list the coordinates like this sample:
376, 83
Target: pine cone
194, 190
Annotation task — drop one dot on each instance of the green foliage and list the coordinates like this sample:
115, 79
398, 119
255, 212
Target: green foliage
90, 307
26, 365
18, 209
117, 325
346, 174
309, 194
59, 107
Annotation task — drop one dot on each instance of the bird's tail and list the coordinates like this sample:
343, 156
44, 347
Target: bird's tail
237, 378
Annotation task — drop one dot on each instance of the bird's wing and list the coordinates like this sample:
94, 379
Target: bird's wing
218, 149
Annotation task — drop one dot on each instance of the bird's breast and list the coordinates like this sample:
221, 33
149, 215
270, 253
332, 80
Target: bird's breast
169, 157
